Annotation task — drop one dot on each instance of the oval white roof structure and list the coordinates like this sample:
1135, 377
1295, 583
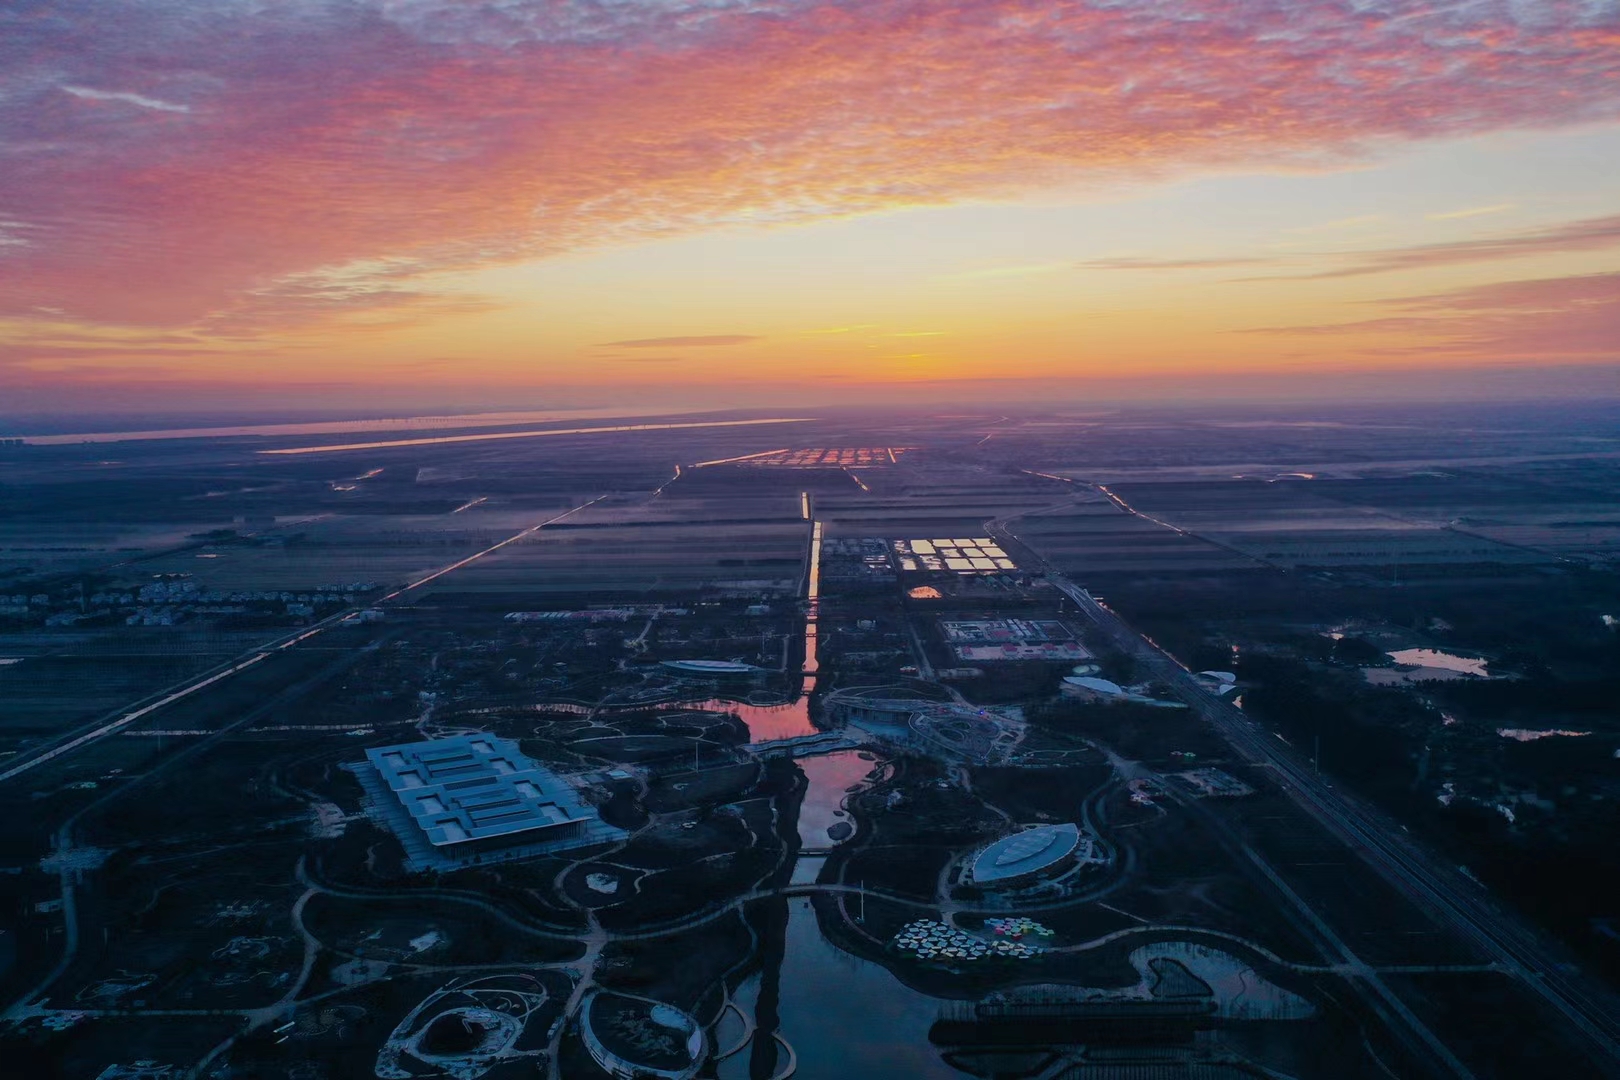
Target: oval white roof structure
1025, 853
1101, 686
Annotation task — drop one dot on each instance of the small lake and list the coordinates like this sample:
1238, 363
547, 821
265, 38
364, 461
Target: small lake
1434, 658
1431, 665
334, 427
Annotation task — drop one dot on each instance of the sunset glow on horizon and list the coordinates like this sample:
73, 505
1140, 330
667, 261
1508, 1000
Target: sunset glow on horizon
618, 202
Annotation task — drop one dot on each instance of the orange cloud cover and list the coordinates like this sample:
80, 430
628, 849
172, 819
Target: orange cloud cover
303, 163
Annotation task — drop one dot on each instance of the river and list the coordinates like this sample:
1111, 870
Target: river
844, 1017
831, 776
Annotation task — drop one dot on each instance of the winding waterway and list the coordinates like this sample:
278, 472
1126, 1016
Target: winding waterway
784, 720
831, 777
843, 1016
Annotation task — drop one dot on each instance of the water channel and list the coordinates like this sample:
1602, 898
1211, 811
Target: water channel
831, 776
843, 1016
788, 719
812, 601
782, 720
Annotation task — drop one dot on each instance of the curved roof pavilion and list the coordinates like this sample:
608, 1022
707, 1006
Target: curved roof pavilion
1026, 853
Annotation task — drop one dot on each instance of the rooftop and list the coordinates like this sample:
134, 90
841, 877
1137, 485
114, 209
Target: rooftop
710, 667
1025, 853
474, 787
1095, 685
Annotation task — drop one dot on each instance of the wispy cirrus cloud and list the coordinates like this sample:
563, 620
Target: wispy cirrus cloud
690, 341
1586, 234
1211, 263
58, 355
126, 98
841, 329
1589, 234
270, 141
1470, 212
374, 297
1574, 318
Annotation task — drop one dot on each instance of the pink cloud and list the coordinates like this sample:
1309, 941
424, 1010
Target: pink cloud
1589, 234
1549, 319
435, 134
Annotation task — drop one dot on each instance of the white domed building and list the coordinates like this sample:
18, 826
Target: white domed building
1031, 856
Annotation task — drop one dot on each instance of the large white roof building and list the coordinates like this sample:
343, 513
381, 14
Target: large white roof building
475, 798
1026, 856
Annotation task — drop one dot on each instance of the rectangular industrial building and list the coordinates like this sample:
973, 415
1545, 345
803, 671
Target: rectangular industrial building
472, 799
1013, 639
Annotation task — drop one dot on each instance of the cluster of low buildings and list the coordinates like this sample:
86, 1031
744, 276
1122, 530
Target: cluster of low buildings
927, 939
593, 615
1216, 783
1013, 639
856, 560
972, 733
174, 600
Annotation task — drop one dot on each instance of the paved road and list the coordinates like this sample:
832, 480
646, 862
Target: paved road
83, 736
1434, 887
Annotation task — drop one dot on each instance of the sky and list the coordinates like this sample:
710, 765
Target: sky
703, 203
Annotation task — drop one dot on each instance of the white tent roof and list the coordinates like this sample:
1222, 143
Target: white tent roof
1101, 686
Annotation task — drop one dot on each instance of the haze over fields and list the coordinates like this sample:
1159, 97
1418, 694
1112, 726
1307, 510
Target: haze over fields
1214, 741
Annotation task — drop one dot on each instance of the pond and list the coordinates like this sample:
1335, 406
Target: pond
1434, 658
1431, 664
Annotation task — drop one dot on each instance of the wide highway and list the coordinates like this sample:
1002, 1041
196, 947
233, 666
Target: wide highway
1437, 888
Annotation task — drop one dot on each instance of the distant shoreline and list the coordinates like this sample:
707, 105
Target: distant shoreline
337, 427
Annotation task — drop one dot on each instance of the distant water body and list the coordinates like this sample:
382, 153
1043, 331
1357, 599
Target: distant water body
489, 436
342, 427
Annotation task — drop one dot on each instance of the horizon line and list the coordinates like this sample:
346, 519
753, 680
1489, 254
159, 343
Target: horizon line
492, 435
